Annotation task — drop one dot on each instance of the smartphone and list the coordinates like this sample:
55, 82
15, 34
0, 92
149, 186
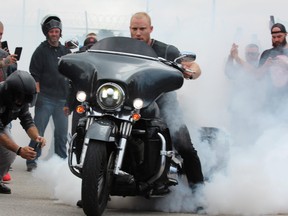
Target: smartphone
4, 45
37, 146
18, 51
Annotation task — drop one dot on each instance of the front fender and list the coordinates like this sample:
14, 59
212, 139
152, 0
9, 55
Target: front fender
102, 129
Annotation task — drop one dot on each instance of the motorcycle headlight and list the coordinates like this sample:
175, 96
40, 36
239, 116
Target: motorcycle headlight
110, 96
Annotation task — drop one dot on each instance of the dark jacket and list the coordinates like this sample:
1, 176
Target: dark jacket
44, 69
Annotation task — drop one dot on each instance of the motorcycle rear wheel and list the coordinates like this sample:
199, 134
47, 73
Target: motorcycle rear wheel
95, 192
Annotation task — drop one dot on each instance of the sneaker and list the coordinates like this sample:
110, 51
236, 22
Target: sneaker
7, 177
31, 166
4, 189
79, 204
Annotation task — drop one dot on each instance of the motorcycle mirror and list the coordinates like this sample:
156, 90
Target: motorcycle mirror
185, 56
72, 44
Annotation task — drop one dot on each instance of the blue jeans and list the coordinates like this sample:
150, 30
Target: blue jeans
44, 108
7, 156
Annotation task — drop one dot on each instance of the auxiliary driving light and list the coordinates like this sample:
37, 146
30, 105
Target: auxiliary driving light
81, 96
138, 103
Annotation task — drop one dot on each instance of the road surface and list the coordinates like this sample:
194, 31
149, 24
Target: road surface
32, 197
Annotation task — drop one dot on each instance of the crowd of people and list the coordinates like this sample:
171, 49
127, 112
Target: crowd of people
269, 67
18, 90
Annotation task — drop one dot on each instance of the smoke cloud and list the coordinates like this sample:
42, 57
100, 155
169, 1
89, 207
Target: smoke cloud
244, 162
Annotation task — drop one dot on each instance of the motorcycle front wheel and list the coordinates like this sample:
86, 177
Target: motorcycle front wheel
95, 192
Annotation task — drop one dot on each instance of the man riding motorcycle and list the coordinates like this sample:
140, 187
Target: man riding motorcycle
140, 29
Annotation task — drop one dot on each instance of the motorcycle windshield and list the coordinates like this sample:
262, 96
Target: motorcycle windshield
125, 45
128, 62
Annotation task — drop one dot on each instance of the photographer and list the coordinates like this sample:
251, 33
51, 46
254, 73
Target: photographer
17, 93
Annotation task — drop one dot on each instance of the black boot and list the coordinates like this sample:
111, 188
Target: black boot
4, 189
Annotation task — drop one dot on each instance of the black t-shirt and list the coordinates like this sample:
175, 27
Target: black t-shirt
165, 51
276, 86
273, 52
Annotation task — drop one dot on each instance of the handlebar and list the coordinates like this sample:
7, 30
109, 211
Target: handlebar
173, 64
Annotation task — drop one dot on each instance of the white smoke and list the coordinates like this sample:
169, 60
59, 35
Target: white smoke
66, 187
258, 123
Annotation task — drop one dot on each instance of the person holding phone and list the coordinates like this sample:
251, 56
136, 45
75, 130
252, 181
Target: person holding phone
8, 62
17, 94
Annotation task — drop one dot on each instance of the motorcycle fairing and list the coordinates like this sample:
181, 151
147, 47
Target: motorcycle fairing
143, 77
81, 73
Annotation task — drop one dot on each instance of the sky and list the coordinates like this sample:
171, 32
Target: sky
246, 163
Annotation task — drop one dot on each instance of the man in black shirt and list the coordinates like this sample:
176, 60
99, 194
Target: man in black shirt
140, 29
273, 68
279, 43
17, 92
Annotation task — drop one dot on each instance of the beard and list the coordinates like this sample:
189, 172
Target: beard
281, 44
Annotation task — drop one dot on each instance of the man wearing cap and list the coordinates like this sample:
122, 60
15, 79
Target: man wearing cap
273, 68
52, 87
277, 56
279, 43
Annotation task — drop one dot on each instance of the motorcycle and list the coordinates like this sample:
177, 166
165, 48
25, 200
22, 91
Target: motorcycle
121, 147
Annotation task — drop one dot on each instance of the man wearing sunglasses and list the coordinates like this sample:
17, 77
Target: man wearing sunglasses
235, 64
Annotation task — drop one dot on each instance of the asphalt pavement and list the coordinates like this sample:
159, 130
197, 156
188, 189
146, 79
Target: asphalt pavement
32, 197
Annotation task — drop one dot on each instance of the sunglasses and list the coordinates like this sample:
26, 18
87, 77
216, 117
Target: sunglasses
252, 54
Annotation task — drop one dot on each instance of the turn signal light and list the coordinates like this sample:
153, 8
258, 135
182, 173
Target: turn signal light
136, 116
80, 109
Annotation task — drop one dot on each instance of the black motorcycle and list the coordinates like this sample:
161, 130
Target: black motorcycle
121, 147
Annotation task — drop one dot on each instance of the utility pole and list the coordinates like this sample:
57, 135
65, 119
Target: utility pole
213, 15
86, 22
272, 21
23, 20
147, 6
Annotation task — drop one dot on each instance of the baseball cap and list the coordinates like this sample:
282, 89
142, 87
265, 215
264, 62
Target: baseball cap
280, 26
